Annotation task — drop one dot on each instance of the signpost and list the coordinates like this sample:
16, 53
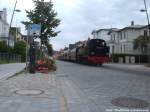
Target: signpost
34, 31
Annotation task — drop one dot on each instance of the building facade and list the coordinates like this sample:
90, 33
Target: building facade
4, 26
122, 42
113, 41
101, 34
16, 33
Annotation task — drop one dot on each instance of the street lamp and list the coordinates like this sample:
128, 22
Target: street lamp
148, 22
14, 10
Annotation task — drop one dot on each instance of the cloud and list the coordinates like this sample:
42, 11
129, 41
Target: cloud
80, 17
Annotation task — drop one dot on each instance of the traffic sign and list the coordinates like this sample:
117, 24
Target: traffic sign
35, 30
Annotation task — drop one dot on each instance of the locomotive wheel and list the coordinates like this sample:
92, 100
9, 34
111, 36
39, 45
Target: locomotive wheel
94, 64
100, 64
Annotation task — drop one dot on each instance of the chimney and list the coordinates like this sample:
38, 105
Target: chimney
132, 23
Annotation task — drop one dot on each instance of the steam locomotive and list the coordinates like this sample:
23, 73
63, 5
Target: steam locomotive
92, 51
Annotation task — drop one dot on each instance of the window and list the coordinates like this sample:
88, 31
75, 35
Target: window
124, 35
114, 37
121, 49
121, 35
124, 48
111, 38
113, 48
145, 32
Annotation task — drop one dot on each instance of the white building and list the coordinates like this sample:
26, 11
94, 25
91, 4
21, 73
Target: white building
4, 26
16, 33
101, 34
121, 41
113, 41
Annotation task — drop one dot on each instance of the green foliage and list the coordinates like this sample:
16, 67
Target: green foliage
6, 61
39, 54
50, 49
3, 46
20, 48
13, 31
44, 14
141, 43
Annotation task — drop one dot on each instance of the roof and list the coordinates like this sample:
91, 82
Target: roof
113, 30
134, 27
104, 29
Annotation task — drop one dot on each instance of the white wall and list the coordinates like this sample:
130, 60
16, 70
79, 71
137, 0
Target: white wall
103, 34
123, 41
113, 43
4, 27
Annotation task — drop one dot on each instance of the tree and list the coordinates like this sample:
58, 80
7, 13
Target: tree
20, 48
50, 49
43, 14
142, 43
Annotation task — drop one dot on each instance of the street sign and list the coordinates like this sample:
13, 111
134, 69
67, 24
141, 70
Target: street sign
35, 30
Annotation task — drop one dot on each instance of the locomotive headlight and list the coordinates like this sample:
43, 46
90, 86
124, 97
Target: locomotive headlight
92, 53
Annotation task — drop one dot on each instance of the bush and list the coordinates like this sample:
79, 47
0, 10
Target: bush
3, 46
20, 48
46, 62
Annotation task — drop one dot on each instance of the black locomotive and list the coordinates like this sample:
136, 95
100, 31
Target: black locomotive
92, 51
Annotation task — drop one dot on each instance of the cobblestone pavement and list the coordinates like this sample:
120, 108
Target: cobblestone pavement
58, 96
49, 101
7, 70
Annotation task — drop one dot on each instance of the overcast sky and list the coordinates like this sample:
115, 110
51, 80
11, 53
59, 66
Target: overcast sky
80, 17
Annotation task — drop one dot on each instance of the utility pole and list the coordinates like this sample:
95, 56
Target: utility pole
146, 10
148, 22
10, 28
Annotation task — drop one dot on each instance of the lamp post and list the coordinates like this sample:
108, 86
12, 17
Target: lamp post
148, 22
10, 28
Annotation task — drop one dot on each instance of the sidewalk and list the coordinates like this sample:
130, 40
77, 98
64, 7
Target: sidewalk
46, 101
7, 70
50, 93
136, 67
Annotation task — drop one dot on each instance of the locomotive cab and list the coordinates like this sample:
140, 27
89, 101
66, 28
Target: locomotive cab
98, 47
98, 51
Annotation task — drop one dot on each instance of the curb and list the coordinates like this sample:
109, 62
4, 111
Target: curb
11, 75
15, 74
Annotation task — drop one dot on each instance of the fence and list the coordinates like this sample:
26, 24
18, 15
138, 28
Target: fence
12, 57
129, 58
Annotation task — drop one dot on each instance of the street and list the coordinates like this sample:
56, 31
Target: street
78, 88
96, 88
